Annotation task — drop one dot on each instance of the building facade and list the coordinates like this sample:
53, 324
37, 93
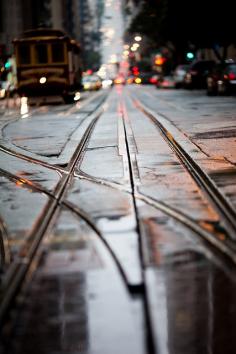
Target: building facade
80, 19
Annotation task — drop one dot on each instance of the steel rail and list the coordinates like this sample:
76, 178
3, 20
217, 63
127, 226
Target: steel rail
220, 202
132, 287
70, 110
13, 281
170, 211
5, 255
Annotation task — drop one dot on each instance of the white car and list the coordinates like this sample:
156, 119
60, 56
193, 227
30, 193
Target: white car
179, 74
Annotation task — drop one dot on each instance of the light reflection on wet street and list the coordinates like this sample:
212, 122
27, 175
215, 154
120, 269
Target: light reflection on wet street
135, 256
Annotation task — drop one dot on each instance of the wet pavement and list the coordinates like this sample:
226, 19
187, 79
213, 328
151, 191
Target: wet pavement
132, 255
208, 123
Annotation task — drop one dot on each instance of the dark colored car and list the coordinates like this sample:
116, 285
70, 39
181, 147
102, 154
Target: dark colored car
145, 78
222, 79
196, 75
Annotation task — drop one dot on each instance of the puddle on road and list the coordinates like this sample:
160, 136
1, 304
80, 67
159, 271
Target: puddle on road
117, 223
190, 289
19, 209
192, 306
112, 212
77, 300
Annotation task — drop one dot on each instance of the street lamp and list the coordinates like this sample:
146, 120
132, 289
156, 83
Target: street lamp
138, 38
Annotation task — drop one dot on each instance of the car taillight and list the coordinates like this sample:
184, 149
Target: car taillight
232, 76
153, 80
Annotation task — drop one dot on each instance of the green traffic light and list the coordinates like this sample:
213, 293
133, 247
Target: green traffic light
190, 55
7, 65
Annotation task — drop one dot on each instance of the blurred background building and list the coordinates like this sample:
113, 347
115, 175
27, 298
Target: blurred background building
181, 33
80, 19
130, 8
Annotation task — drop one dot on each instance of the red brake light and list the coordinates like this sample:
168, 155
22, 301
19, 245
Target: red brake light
153, 80
232, 76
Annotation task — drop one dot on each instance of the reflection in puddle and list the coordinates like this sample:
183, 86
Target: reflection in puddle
192, 299
117, 224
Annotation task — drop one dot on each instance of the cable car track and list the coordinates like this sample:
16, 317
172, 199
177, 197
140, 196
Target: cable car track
16, 274
57, 200
219, 201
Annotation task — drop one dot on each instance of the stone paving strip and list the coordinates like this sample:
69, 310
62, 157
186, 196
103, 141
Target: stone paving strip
49, 136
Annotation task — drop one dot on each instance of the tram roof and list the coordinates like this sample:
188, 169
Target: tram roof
45, 34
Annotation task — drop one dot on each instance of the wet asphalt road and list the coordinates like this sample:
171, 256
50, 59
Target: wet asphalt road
115, 245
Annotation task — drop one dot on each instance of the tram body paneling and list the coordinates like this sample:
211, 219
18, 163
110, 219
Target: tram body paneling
47, 62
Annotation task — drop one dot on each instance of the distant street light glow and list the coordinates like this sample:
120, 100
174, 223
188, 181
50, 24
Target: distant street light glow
137, 38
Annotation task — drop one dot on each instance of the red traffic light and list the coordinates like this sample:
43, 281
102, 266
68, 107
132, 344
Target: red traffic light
159, 60
135, 70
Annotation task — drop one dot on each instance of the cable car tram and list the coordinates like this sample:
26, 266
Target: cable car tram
48, 62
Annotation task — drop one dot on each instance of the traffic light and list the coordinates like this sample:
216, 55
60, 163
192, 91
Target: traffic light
190, 55
159, 60
7, 65
135, 70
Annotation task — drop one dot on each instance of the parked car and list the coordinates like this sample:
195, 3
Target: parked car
196, 75
222, 78
145, 78
179, 74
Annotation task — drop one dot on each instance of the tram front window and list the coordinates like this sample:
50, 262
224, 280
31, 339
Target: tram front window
41, 53
57, 53
24, 54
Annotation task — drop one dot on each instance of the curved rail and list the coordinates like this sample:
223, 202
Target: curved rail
19, 269
222, 204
